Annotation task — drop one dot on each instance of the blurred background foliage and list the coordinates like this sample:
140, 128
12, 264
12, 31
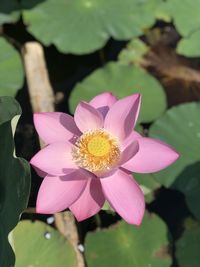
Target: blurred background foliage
91, 46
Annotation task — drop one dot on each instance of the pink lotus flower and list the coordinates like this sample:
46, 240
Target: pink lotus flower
89, 158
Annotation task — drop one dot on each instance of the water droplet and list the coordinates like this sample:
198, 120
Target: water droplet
81, 248
50, 220
190, 124
47, 235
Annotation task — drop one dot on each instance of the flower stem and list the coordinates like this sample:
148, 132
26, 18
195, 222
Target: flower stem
42, 100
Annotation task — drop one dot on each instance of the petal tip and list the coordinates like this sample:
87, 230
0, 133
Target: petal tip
41, 210
175, 155
137, 220
110, 93
136, 96
178, 155
32, 161
80, 218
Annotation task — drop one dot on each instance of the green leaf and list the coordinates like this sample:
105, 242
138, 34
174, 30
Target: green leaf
83, 26
162, 11
190, 46
125, 245
37, 244
134, 52
14, 180
187, 247
180, 128
185, 15
9, 11
188, 182
11, 69
123, 80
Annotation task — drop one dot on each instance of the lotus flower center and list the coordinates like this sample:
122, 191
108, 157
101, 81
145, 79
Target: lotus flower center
96, 151
98, 146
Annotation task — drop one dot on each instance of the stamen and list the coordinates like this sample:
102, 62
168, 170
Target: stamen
96, 151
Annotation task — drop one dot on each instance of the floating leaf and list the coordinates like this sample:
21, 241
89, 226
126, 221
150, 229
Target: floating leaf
189, 184
187, 247
11, 69
123, 80
14, 180
126, 245
190, 46
96, 20
185, 15
37, 244
162, 11
9, 11
179, 127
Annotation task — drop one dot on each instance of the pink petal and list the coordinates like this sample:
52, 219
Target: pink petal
125, 196
132, 137
129, 152
55, 126
58, 193
90, 201
55, 159
87, 117
153, 156
103, 102
122, 116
